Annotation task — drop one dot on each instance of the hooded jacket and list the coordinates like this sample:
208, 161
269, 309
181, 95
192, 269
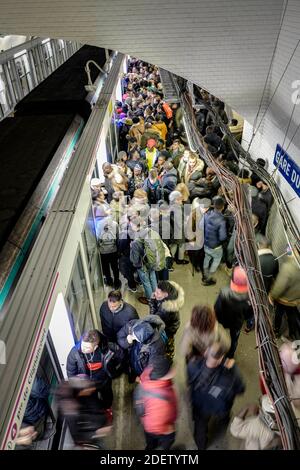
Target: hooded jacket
148, 331
112, 322
168, 309
160, 414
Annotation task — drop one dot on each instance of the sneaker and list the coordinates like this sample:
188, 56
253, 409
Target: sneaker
132, 289
171, 270
209, 282
182, 261
143, 300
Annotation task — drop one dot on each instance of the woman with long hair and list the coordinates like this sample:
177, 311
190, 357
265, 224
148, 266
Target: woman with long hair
201, 332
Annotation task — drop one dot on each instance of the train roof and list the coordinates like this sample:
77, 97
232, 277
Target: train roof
27, 146
63, 91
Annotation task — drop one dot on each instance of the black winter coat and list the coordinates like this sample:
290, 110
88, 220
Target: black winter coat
112, 322
140, 353
213, 390
79, 363
168, 309
269, 267
232, 309
168, 183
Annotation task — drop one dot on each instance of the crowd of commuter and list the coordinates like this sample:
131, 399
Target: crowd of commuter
160, 206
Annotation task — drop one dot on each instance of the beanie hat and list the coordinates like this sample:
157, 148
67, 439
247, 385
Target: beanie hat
160, 367
239, 282
143, 331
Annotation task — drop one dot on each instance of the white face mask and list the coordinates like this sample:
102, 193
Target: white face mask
88, 348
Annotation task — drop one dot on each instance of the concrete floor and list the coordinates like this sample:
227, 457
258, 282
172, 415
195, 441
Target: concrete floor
127, 432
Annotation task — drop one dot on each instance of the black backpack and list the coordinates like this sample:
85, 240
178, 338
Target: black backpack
113, 360
139, 396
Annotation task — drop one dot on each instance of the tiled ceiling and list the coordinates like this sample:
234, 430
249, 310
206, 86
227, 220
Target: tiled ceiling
223, 45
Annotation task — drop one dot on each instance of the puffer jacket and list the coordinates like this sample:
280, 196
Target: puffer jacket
214, 229
112, 322
168, 309
140, 352
77, 363
160, 414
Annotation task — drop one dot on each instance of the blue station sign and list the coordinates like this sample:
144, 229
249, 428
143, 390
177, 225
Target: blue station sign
288, 168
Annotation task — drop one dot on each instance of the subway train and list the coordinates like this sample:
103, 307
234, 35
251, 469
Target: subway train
37, 145
60, 288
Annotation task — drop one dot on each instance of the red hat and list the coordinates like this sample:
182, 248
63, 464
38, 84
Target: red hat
151, 143
239, 281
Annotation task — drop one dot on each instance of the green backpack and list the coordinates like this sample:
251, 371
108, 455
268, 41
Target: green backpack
155, 257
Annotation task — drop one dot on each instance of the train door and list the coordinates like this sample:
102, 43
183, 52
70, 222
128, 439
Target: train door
41, 410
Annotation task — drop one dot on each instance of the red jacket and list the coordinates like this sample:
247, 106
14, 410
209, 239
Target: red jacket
160, 415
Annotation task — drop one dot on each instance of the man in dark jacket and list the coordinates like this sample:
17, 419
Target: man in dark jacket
215, 234
232, 306
168, 180
259, 208
86, 358
114, 314
268, 262
166, 302
214, 383
143, 338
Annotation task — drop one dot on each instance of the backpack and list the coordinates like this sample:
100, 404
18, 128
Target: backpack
155, 257
113, 361
168, 111
139, 396
107, 241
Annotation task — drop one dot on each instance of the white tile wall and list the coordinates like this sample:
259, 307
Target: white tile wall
223, 45
275, 125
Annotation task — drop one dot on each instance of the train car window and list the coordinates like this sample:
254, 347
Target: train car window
37, 65
92, 255
5, 98
48, 56
40, 412
13, 81
24, 73
78, 300
109, 149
